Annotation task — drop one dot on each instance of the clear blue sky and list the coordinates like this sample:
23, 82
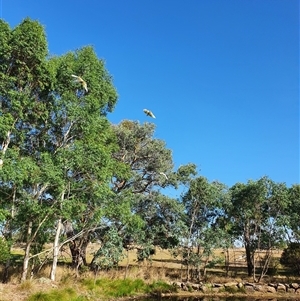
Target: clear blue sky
222, 77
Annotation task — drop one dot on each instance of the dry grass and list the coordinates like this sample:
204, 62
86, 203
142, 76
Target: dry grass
162, 266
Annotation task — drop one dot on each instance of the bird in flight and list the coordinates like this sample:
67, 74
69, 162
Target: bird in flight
149, 113
80, 80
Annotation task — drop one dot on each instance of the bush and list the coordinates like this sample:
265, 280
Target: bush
290, 257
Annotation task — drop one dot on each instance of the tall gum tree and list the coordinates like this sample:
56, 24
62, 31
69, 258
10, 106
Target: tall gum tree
203, 206
259, 220
82, 141
292, 213
24, 80
153, 218
55, 140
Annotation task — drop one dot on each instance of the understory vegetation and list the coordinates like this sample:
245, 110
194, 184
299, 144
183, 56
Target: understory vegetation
104, 288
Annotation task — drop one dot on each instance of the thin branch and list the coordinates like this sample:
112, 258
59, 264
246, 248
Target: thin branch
82, 232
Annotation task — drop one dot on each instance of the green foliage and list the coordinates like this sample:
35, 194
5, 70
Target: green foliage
110, 252
260, 219
291, 257
4, 250
56, 142
164, 218
292, 211
145, 252
146, 167
204, 203
145, 156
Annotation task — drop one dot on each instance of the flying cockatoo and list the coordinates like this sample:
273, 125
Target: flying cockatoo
149, 113
80, 80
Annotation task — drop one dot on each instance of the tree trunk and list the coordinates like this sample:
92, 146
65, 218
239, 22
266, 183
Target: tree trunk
254, 268
83, 250
188, 264
227, 261
198, 267
27, 253
266, 264
249, 260
56, 245
5, 272
75, 253
56, 248
78, 250
249, 256
7, 232
26, 262
205, 267
75, 246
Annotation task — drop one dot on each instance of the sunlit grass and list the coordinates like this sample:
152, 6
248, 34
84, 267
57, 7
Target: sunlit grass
125, 287
159, 287
67, 294
26, 285
115, 288
103, 288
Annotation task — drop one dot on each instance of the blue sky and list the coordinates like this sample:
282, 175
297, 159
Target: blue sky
222, 77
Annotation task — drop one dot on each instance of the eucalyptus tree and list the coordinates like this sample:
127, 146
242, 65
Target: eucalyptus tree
56, 142
291, 253
257, 214
293, 213
149, 217
81, 141
146, 157
148, 162
24, 91
203, 206
164, 222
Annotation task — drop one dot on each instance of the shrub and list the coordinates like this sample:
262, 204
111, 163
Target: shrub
290, 257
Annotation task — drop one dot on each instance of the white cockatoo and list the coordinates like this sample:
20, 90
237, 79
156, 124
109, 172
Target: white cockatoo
80, 80
149, 113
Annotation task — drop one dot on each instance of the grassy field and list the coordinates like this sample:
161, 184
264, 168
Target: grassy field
162, 267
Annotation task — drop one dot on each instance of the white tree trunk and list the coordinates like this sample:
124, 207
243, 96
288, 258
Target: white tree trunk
27, 253
56, 247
